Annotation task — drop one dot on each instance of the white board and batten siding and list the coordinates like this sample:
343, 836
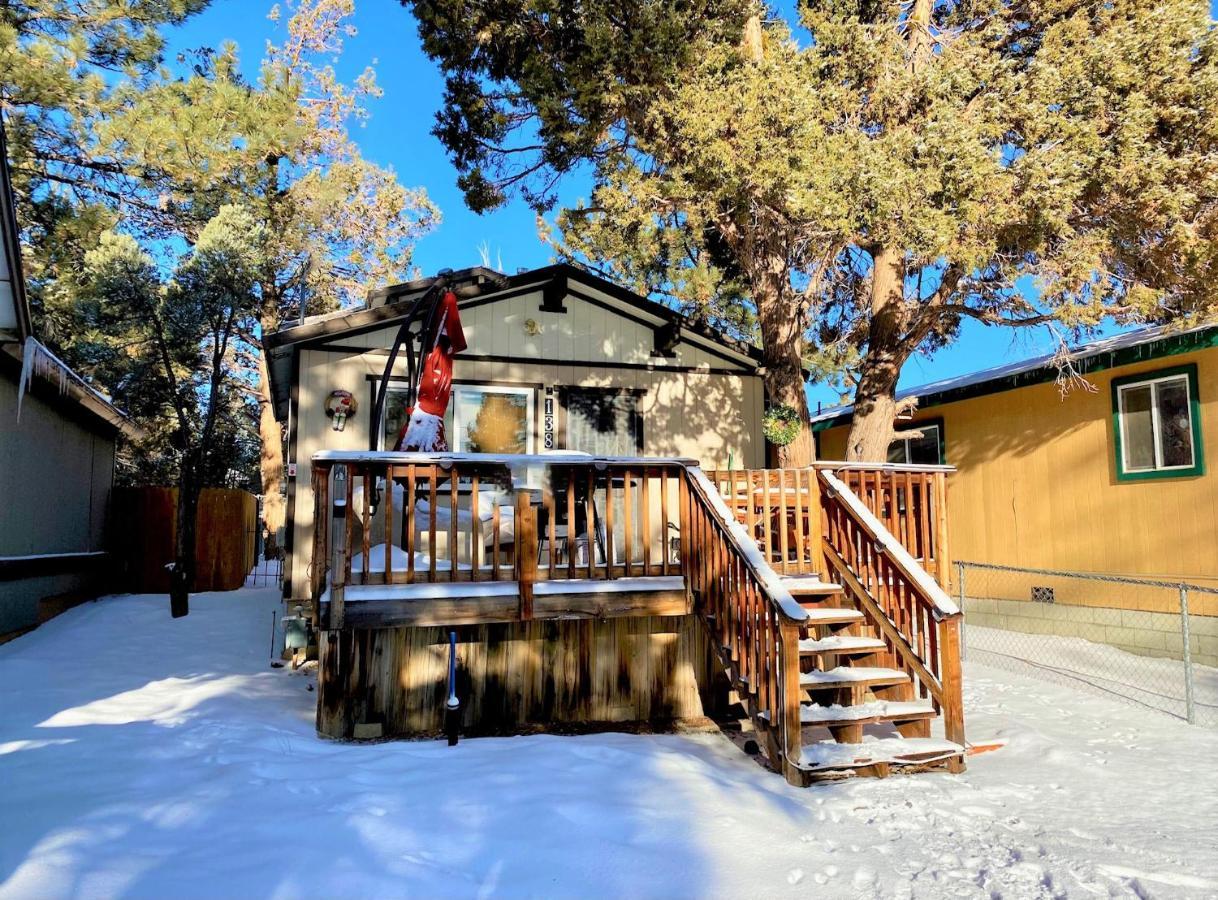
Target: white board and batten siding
704, 402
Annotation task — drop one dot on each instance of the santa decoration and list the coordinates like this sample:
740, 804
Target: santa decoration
424, 431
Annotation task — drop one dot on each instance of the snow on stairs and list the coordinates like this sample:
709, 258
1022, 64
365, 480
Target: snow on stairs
851, 685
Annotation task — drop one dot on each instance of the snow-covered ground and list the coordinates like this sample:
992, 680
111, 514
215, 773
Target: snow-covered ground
152, 757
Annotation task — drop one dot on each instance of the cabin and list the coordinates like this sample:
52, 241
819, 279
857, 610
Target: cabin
1037, 468
57, 444
603, 546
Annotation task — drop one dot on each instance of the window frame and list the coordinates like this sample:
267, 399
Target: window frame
502, 387
924, 424
1128, 382
564, 400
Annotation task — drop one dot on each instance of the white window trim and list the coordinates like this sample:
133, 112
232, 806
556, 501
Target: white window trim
925, 429
1156, 427
455, 439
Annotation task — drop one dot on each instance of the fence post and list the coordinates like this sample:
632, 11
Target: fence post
1190, 708
963, 630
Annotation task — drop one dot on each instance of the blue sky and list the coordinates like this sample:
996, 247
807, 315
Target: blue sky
398, 135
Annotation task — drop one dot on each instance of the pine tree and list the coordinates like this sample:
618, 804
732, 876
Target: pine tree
910, 166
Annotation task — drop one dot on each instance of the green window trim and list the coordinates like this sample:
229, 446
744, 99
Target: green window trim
1194, 413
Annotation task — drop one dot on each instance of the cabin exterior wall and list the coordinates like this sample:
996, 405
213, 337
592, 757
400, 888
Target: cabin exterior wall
1037, 486
55, 478
699, 403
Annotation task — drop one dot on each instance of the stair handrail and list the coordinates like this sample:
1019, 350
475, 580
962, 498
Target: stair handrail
942, 606
746, 546
939, 670
753, 621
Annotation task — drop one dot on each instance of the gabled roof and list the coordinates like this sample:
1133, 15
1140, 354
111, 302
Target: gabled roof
389, 303
1095, 356
479, 284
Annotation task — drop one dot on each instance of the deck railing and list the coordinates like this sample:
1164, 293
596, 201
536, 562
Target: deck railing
402, 519
393, 519
782, 510
880, 530
918, 621
753, 619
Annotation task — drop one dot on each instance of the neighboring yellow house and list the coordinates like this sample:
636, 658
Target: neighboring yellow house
1114, 478
558, 359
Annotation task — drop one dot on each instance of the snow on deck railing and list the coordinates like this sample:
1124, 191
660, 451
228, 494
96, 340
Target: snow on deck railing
562, 457
747, 547
943, 604
841, 465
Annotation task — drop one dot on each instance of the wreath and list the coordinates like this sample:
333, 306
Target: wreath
780, 425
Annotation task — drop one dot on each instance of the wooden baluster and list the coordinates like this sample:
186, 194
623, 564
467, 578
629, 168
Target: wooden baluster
925, 523
645, 518
684, 536
628, 521
365, 521
571, 535
750, 503
908, 535
526, 552
495, 539
766, 523
802, 558
408, 515
942, 547
548, 504
350, 526
475, 546
665, 562
454, 554
387, 505
610, 550
783, 539
590, 522
432, 476
320, 562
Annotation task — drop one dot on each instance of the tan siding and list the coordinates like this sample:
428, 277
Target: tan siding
709, 417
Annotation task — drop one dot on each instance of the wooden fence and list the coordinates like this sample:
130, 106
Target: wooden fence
143, 532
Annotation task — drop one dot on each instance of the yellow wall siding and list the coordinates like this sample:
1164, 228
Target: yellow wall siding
1037, 483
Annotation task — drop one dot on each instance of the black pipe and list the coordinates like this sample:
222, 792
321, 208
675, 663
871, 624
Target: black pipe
452, 706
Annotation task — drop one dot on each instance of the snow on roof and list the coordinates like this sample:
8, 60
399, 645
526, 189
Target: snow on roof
1099, 347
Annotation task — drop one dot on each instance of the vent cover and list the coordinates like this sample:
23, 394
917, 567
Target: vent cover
1042, 595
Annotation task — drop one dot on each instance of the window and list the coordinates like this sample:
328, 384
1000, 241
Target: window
479, 419
924, 450
490, 419
1157, 425
603, 421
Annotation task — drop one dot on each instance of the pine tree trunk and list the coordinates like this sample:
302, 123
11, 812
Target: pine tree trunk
875, 406
782, 347
270, 462
182, 579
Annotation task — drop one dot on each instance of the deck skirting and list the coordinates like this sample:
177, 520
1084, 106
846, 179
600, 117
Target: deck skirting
513, 677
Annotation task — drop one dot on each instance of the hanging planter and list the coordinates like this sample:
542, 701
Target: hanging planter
780, 425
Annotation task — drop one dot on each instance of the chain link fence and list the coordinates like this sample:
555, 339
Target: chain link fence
1152, 643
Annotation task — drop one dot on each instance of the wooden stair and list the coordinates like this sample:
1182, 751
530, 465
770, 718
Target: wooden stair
851, 684
843, 661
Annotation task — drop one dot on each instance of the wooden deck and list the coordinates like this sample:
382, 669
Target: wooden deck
584, 592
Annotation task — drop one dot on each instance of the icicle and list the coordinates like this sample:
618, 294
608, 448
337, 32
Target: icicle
28, 354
